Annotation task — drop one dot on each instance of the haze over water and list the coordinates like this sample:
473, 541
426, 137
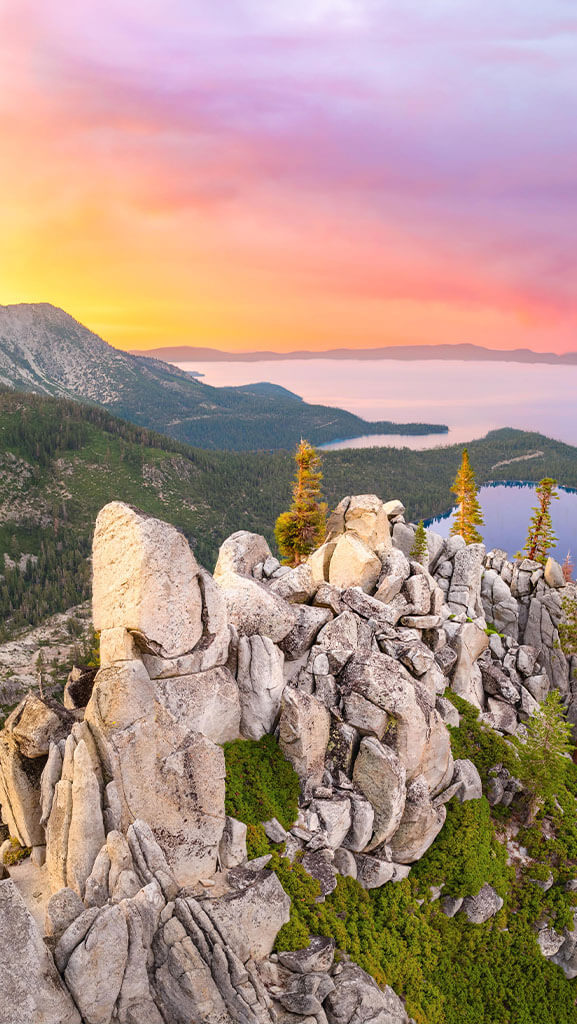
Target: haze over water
471, 398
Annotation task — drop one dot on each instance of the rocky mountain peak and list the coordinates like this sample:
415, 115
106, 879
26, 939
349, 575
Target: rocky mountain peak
44, 349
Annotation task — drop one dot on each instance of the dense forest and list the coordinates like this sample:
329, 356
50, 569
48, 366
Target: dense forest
60, 461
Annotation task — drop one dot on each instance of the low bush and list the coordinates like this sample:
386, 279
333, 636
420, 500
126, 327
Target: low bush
477, 742
260, 783
448, 970
15, 853
465, 854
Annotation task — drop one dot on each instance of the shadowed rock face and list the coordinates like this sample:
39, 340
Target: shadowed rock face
20, 792
155, 906
78, 689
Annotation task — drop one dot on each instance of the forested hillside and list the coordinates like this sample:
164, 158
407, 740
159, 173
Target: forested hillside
61, 461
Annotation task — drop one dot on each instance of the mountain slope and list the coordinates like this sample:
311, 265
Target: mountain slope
44, 350
61, 461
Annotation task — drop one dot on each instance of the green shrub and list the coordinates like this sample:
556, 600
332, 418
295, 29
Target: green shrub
16, 853
489, 974
476, 741
465, 854
257, 843
260, 783
304, 892
448, 970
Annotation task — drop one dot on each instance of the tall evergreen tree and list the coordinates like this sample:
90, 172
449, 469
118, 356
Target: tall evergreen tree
568, 627
420, 550
541, 537
300, 530
468, 515
541, 759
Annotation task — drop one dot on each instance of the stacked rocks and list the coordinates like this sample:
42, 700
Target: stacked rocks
154, 911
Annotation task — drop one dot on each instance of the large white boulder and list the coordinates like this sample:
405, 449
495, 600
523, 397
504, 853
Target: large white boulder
261, 683
420, 824
387, 684
356, 997
167, 774
381, 778
206, 702
250, 918
95, 970
469, 643
240, 553
86, 830
364, 515
254, 608
145, 580
354, 564
304, 735
20, 793
465, 586
36, 723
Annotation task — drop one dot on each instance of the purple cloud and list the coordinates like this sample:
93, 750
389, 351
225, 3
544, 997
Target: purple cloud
451, 124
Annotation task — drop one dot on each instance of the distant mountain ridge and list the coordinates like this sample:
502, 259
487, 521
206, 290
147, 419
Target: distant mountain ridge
46, 351
465, 353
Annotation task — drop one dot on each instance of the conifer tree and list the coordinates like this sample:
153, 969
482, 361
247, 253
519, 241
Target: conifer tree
541, 759
300, 530
420, 550
541, 537
567, 568
568, 627
468, 515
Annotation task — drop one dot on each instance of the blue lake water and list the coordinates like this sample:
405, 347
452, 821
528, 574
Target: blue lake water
471, 398
507, 511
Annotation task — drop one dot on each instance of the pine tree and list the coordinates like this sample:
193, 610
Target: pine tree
568, 627
420, 550
541, 537
541, 764
300, 530
468, 515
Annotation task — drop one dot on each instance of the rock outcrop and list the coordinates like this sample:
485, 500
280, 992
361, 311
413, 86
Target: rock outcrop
31, 988
156, 914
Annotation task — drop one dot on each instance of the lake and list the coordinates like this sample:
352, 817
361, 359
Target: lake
471, 398
507, 511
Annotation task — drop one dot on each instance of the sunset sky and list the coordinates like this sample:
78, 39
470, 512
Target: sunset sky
308, 174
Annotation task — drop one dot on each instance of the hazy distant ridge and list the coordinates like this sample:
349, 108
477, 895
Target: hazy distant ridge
466, 353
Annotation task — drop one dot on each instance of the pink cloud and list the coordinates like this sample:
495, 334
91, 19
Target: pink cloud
438, 147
